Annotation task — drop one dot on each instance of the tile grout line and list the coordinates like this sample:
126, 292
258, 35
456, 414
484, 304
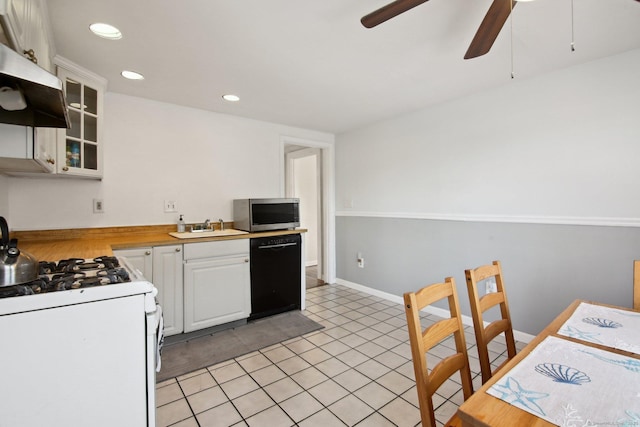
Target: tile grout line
322, 305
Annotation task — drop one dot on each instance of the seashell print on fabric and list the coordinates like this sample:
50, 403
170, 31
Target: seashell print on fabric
603, 323
562, 373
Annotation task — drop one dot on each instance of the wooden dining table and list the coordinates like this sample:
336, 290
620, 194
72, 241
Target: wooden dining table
484, 409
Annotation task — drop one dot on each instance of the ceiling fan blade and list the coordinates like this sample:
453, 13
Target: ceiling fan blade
490, 28
389, 11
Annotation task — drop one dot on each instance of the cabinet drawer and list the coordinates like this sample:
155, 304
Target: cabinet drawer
216, 249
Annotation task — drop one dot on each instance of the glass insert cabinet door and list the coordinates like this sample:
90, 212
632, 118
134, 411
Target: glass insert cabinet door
80, 146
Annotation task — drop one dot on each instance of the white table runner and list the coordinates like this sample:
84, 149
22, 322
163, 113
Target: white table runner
571, 384
607, 326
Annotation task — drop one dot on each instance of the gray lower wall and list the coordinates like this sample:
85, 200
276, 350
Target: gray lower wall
545, 267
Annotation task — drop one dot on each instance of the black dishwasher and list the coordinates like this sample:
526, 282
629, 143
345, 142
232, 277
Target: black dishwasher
275, 274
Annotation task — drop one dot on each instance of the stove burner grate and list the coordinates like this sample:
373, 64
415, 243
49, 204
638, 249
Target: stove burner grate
71, 273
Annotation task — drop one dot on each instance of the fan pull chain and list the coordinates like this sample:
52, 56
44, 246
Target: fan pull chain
573, 46
511, 28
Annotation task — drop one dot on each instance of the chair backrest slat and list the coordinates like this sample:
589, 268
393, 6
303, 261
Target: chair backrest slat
480, 304
422, 340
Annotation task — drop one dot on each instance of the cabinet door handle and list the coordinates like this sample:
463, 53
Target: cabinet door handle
246, 260
51, 161
65, 168
177, 249
147, 253
31, 55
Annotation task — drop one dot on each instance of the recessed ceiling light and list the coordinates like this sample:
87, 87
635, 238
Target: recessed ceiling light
132, 75
230, 97
105, 31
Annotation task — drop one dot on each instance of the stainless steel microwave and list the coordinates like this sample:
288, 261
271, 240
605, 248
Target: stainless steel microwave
266, 214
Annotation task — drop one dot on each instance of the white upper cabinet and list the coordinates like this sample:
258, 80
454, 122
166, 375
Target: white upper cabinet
25, 24
80, 148
26, 27
75, 152
27, 150
45, 140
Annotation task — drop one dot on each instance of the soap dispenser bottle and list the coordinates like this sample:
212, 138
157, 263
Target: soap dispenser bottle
181, 225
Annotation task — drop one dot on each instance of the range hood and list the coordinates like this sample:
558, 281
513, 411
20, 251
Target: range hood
29, 95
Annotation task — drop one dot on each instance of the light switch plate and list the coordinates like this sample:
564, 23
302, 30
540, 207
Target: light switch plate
170, 206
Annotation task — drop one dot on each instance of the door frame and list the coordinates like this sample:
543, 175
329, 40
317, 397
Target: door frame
327, 182
290, 170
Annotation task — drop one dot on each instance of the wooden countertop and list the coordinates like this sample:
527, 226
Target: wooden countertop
54, 245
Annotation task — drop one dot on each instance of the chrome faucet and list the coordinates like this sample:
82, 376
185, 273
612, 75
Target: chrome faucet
205, 226
221, 221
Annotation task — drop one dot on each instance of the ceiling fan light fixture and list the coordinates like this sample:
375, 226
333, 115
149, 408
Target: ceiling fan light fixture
132, 75
105, 31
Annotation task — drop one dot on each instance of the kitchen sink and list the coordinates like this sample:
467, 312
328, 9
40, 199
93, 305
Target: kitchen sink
208, 233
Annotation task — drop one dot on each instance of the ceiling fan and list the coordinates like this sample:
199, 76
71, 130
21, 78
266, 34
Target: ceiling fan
485, 36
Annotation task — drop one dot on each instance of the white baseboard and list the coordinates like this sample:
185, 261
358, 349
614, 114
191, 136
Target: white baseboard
466, 320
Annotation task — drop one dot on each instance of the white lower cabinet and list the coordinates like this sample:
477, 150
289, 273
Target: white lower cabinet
217, 286
161, 265
199, 284
168, 279
139, 258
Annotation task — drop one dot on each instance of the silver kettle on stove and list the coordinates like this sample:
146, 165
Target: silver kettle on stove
16, 267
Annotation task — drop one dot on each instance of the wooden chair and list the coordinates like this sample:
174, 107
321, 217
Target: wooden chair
636, 285
479, 305
428, 381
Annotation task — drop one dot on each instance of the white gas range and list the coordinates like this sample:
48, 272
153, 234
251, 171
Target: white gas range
80, 346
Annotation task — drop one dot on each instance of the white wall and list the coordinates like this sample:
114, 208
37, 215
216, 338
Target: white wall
156, 151
564, 144
4, 198
492, 177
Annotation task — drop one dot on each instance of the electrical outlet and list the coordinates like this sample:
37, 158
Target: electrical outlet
360, 260
170, 206
98, 206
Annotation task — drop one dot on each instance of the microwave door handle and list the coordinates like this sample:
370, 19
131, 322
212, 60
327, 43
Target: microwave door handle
282, 245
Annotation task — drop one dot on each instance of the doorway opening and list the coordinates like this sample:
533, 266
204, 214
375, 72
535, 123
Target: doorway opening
304, 181
308, 168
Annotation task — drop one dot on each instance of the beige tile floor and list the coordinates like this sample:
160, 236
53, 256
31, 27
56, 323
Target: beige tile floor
357, 371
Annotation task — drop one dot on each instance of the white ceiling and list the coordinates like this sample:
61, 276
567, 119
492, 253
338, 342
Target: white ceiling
311, 64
